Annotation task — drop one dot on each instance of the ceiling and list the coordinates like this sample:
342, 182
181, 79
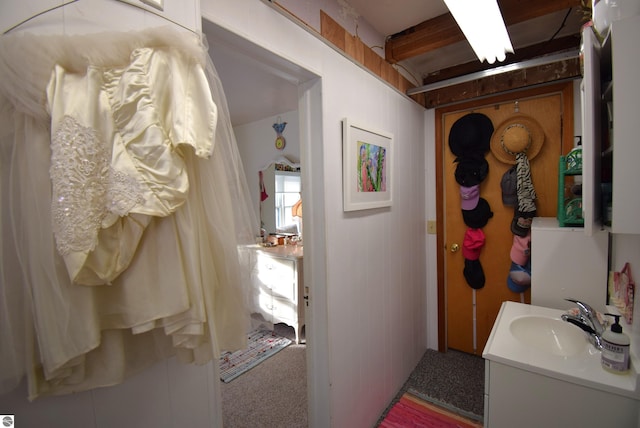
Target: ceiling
421, 37
257, 84
433, 43
392, 16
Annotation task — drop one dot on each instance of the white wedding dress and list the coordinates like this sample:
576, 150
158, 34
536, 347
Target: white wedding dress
124, 203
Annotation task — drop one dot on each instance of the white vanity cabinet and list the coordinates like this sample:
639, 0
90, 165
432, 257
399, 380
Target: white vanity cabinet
522, 398
542, 372
278, 280
611, 101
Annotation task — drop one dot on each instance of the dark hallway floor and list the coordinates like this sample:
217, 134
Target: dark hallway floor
452, 379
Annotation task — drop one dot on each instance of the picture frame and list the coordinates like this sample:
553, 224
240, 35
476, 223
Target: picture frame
367, 167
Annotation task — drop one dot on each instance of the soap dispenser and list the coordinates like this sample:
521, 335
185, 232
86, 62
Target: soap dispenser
615, 348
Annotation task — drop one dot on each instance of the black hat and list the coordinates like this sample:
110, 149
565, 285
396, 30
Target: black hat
509, 186
473, 273
471, 170
471, 134
478, 217
521, 223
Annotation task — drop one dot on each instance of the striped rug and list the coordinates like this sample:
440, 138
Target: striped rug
262, 344
413, 412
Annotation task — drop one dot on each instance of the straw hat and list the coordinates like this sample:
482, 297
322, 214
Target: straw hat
517, 134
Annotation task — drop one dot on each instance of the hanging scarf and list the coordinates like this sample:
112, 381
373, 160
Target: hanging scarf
526, 192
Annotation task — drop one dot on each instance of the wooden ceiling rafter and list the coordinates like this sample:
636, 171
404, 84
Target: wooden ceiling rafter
443, 30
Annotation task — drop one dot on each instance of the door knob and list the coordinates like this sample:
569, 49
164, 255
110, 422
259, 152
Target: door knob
455, 248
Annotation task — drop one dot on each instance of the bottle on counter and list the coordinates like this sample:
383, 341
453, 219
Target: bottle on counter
615, 348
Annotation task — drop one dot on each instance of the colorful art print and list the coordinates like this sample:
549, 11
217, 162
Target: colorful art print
367, 167
372, 175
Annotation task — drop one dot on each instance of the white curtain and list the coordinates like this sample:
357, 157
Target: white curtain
180, 286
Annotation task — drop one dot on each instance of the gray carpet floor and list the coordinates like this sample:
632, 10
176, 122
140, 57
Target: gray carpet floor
255, 400
274, 394
452, 379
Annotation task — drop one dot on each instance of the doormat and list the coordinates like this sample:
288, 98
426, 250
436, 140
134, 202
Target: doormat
411, 411
447, 406
261, 345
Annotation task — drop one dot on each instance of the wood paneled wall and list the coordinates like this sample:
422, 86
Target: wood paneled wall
353, 47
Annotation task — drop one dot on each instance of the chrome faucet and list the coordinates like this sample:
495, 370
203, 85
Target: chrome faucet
588, 321
590, 314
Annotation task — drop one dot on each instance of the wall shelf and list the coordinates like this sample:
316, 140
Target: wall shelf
570, 212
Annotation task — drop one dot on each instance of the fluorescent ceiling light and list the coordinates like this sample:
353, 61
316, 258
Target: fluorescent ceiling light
483, 26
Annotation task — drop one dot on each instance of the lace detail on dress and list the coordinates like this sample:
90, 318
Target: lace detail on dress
123, 194
85, 187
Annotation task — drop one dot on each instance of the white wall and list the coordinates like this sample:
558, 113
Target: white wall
168, 395
376, 274
374, 261
256, 143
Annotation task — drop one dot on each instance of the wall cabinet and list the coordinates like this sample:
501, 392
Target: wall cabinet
610, 102
278, 281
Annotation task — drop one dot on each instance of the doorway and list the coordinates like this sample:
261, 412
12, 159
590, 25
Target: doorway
304, 88
466, 315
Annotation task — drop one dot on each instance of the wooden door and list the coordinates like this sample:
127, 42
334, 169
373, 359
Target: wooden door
470, 313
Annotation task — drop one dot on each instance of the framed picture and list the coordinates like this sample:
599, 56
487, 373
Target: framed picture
367, 175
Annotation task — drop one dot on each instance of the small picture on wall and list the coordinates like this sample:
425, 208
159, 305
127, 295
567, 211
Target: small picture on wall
366, 167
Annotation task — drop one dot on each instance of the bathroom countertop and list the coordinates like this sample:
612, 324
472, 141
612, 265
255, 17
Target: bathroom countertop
583, 369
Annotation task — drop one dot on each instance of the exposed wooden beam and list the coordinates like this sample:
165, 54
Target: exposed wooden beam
545, 48
532, 76
443, 30
430, 35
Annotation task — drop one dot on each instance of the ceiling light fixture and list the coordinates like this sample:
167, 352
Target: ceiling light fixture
483, 26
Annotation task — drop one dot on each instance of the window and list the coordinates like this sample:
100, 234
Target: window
288, 188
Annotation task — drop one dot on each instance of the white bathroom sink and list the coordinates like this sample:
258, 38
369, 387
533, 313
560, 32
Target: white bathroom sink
551, 335
535, 339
